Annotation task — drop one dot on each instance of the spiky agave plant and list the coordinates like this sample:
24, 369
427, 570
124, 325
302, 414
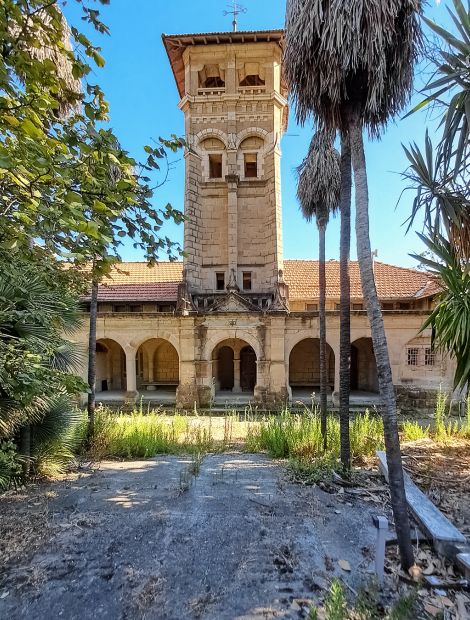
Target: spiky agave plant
349, 63
318, 192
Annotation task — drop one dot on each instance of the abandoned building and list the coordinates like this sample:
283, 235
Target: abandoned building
235, 322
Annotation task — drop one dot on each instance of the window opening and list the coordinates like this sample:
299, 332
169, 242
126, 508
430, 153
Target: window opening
215, 166
247, 280
251, 165
413, 353
220, 281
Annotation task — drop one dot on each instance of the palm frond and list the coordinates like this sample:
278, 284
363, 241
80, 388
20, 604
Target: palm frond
319, 178
360, 53
442, 198
452, 78
450, 319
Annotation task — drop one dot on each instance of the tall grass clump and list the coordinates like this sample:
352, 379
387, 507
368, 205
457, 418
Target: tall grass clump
413, 431
440, 431
140, 435
299, 436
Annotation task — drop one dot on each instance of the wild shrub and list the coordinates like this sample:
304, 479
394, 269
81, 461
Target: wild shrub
413, 431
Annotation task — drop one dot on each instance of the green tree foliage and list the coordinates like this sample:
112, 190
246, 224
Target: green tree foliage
55, 148
69, 193
450, 319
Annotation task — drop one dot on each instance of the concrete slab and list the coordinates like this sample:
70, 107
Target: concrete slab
147, 539
447, 539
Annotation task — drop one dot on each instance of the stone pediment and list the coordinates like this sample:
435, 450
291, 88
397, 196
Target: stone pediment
233, 302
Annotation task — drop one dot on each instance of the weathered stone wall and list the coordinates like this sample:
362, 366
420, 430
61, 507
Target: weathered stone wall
233, 223
191, 343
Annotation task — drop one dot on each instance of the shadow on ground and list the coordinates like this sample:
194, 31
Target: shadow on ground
148, 539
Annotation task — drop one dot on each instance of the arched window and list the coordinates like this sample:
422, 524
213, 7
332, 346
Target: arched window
213, 163
251, 160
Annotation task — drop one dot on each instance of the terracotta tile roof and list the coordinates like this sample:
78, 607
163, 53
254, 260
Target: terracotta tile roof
392, 282
136, 281
157, 291
142, 273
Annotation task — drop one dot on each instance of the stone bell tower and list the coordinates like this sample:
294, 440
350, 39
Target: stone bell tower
235, 110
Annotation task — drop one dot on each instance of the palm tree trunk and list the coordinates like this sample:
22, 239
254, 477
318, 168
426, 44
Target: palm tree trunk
323, 374
387, 391
345, 303
92, 358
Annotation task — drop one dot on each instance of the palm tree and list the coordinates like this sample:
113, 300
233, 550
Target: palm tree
318, 192
345, 304
350, 65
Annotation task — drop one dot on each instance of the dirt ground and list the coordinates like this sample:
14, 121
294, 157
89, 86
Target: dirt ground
442, 471
150, 539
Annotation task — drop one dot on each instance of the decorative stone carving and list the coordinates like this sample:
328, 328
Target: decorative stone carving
232, 283
233, 302
281, 295
185, 303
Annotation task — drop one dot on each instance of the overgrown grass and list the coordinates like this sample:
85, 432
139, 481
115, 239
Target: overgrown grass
365, 606
299, 436
141, 436
444, 428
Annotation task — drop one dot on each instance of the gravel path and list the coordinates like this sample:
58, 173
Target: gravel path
149, 539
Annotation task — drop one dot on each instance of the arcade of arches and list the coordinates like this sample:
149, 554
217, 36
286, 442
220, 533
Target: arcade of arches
234, 366
156, 364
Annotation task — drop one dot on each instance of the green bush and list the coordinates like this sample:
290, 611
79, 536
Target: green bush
56, 438
10, 465
413, 431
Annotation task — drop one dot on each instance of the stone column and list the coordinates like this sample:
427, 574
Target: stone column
262, 381
109, 370
279, 391
236, 375
131, 378
187, 395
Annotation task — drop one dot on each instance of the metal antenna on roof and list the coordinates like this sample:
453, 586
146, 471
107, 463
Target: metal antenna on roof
236, 10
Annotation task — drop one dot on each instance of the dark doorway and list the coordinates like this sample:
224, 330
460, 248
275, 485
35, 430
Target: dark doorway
363, 366
225, 368
247, 369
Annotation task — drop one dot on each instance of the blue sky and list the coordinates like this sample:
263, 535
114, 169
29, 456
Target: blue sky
140, 87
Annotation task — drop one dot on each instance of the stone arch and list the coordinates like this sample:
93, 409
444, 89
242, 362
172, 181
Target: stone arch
157, 364
163, 335
304, 364
204, 134
252, 132
364, 376
110, 366
234, 366
240, 334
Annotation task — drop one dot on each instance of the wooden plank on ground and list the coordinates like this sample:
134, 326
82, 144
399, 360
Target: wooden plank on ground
446, 538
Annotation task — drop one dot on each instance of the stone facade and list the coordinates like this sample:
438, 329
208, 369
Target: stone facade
227, 323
